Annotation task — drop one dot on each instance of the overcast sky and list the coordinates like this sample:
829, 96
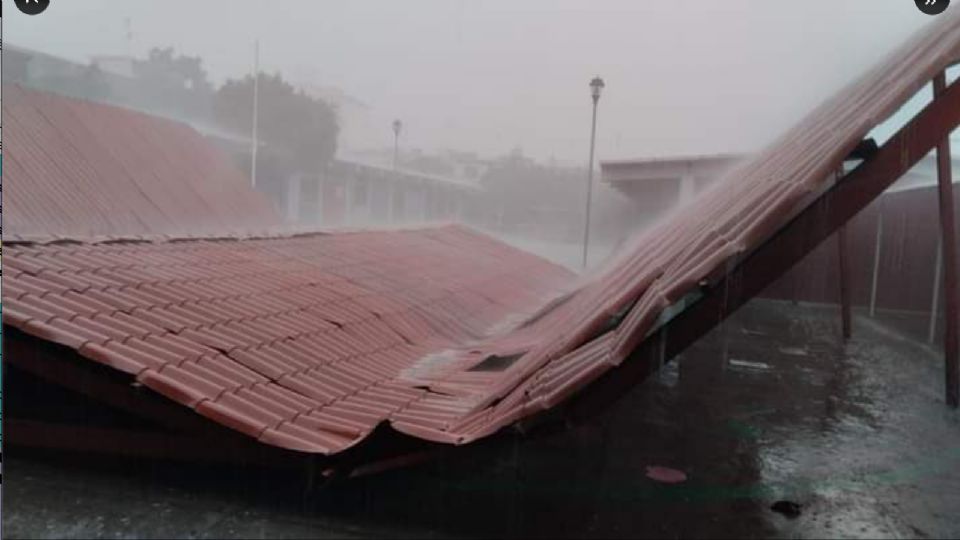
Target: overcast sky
683, 76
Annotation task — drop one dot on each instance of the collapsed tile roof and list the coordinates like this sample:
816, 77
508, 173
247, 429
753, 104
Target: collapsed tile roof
302, 342
309, 342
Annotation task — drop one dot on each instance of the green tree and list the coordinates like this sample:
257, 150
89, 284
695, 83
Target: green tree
288, 119
92, 84
167, 69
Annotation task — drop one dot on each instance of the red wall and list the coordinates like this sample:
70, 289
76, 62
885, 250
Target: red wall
911, 222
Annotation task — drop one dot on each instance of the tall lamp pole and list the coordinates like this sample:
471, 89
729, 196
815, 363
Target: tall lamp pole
596, 86
256, 116
397, 126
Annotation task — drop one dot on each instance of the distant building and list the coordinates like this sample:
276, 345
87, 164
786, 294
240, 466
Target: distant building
117, 80
658, 184
117, 65
458, 167
893, 242
53, 74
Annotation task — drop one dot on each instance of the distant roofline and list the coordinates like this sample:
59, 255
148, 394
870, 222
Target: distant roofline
112, 57
726, 156
409, 172
13, 47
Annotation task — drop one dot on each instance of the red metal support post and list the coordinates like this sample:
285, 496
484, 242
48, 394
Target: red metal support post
844, 267
951, 291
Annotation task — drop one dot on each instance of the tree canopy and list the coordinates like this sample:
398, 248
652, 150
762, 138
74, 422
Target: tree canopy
166, 68
288, 118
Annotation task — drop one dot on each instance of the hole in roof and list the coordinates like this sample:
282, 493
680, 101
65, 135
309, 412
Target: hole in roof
496, 362
548, 308
432, 391
910, 108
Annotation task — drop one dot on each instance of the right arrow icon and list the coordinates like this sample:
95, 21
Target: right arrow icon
932, 7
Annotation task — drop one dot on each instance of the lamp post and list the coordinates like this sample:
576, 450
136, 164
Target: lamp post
397, 126
596, 86
256, 116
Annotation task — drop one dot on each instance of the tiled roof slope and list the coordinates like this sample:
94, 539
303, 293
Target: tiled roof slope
308, 342
81, 169
132, 240
301, 342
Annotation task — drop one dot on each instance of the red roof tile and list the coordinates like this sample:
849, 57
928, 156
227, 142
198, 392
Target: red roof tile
288, 352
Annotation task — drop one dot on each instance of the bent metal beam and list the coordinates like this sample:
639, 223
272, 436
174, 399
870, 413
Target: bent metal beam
725, 293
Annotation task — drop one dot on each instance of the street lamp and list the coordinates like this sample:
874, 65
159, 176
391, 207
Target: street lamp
596, 86
397, 126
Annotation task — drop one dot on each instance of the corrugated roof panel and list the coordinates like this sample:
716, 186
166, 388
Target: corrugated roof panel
310, 342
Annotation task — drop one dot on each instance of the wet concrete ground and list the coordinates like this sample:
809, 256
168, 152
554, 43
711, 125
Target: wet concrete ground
772, 406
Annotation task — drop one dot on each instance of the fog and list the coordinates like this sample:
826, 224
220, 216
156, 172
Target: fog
493, 97
683, 77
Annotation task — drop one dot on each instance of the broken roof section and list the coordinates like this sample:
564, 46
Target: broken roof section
665, 267
300, 342
309, 342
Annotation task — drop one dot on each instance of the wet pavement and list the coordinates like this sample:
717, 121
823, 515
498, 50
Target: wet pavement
770, 407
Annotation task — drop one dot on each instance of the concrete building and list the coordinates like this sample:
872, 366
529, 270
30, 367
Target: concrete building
658, 184
352, 194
